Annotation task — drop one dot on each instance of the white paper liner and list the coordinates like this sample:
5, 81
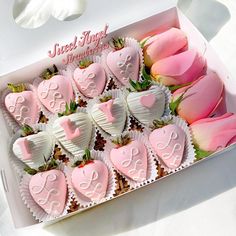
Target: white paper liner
115, 93
80, 198
152, 172
70, 155
189, 151
129, 42
38, 212
17, 164
14, 125
167, 111
69, 72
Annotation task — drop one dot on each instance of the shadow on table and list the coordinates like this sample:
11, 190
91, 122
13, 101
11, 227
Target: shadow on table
166, 197
209, 16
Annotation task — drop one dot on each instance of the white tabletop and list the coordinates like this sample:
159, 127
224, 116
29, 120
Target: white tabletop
198, 201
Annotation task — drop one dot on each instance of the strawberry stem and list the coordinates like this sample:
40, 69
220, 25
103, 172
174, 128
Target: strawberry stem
27, 130
50, 164
122, 140
16, 88
69, 109
85, 63
48, 74
157, 124
117, 44
105, 98
86, 159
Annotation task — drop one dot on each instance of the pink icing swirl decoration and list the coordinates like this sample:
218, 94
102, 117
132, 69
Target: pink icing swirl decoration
125, 67
19, 101
53, 205
95, 193
106, 108
139, 173
70, 131
168, 155
88, 84
52, 89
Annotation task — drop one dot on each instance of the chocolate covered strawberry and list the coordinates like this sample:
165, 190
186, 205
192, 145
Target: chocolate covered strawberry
22, 105
33, 147
90, 78
109, 114
73, 129
130, 158
48, 188
55, 91
123, 61
168, 141
90, 177
146, 102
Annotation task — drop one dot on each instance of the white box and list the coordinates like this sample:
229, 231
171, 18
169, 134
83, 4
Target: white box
15, 70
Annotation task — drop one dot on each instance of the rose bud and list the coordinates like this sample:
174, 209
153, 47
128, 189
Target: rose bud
200, 99
179, 69
213, 134
163, 45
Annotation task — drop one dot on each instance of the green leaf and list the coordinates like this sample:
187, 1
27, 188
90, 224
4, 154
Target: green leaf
30, 171
145, 75
175, 87
142, 43
175, 104
201, 154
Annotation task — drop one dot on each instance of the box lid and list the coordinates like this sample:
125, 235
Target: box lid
20, 47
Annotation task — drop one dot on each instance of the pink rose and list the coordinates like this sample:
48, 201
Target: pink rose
212, 134
181, 68
164, 45
200, 99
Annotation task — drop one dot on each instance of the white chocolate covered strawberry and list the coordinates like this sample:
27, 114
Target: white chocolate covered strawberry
90, 78
90, 178
32, 148
146, 102
73, 129
123, 62
110, 114
169, 144
48, 188
55, 91
130, 158
22, 105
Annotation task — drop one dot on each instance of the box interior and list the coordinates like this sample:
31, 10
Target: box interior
169, 18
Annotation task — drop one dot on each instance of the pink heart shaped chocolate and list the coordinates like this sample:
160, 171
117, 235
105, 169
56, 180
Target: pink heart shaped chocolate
23, 107
148, 100
49, 191
91, 80
124, 64
55, 92
168, 143
91, 180
131, 160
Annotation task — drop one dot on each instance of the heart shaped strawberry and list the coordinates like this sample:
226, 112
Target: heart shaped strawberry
123, 61
146, 103
110, 115
48, 189
73, 130
130, 158
90, 78
22, 105
32, 148
55, 91
169, 142
90, 178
